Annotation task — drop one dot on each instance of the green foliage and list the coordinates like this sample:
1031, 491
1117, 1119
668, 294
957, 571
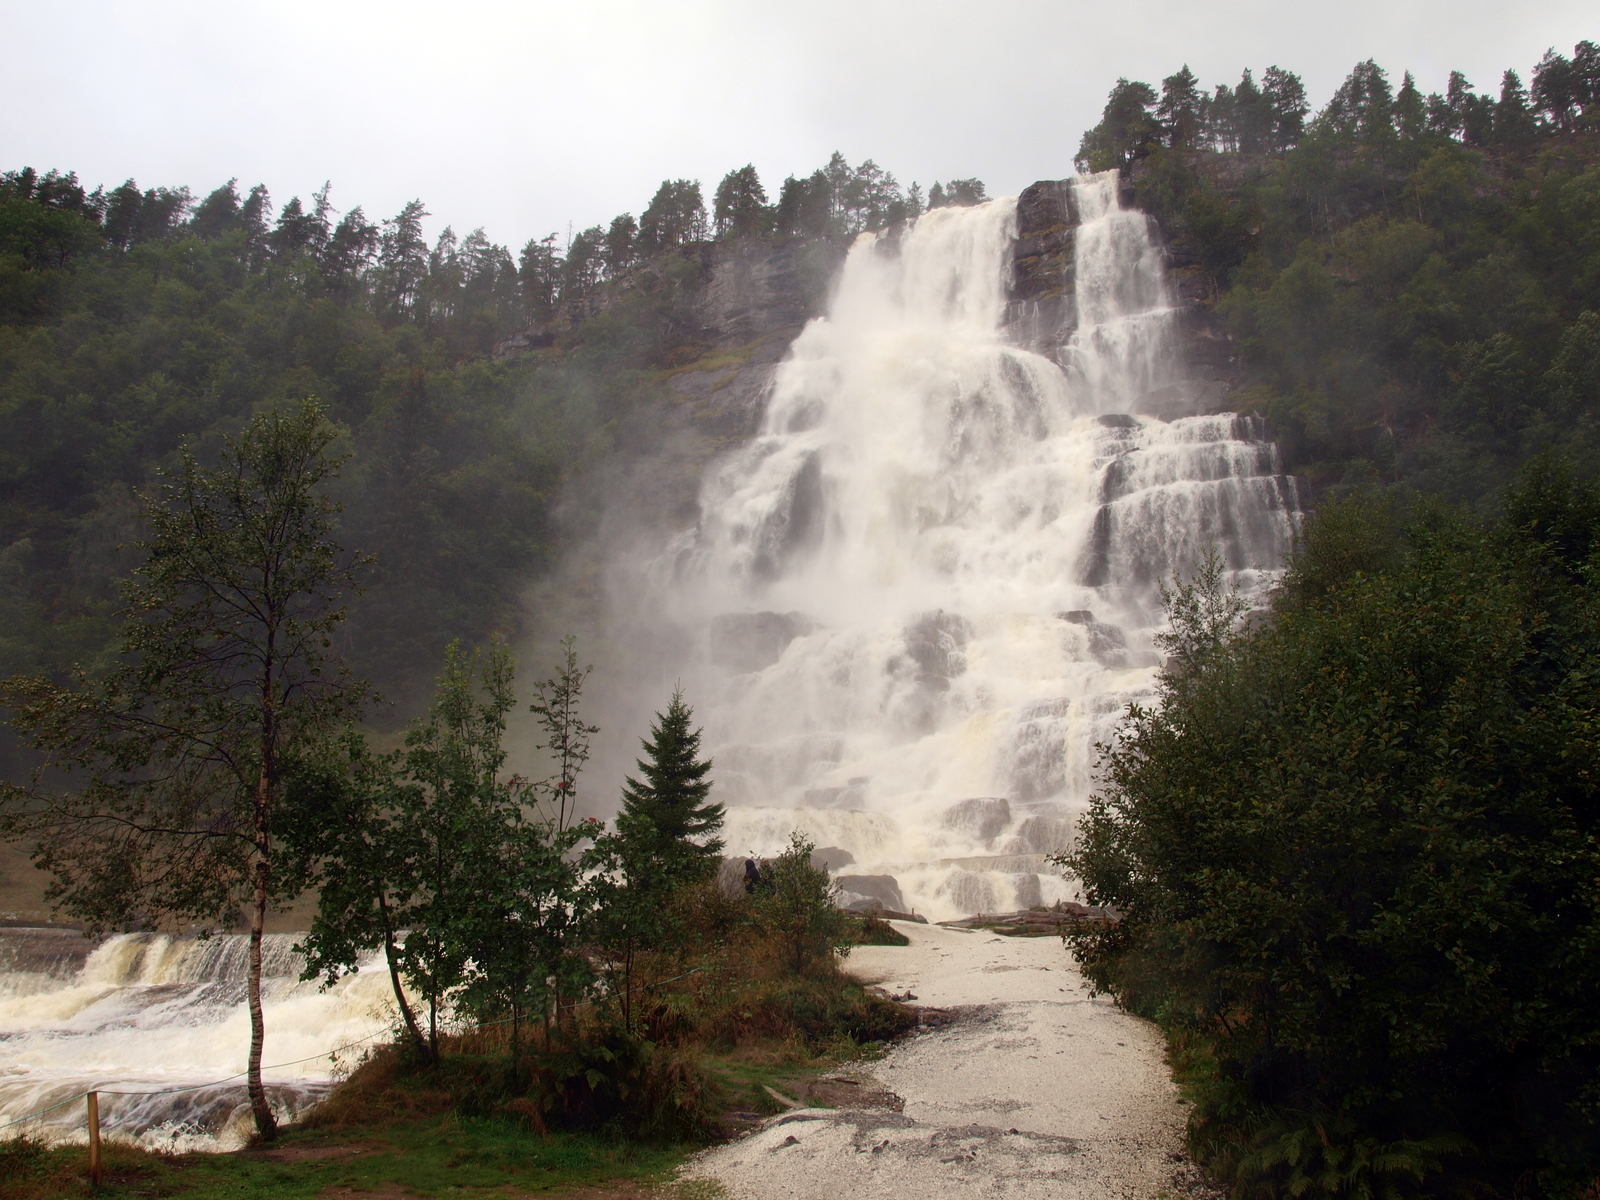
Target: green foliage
1127, 129
428, 1153
625, 1083
873, 930
668, 826
466, 879
675, 216
472, 383
741, 204
801, 909
225, 675
566, 734
1400, 275
1354, 851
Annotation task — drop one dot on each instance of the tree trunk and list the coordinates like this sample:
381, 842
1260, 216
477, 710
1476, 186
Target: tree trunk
516, 1044
266, 1124
389, 952
433, 1026
627, 987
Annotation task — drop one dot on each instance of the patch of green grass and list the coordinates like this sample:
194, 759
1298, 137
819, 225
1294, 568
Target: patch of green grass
745, 1074
875, 931
433, 1156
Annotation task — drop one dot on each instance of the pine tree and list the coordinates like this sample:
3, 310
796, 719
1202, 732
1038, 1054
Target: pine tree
667, 826
1179, 109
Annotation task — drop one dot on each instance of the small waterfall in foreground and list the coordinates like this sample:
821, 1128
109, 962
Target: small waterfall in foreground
147, 1012
929, 586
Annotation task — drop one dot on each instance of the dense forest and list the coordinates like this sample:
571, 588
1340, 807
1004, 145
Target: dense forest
1411, 282
132, 320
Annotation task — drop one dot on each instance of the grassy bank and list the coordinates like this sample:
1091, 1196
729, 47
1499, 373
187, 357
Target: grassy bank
428, 1156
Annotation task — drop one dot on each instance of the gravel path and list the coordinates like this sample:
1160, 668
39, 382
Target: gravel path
1034, 1090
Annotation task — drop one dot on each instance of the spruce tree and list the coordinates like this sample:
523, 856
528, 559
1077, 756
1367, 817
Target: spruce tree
667, 827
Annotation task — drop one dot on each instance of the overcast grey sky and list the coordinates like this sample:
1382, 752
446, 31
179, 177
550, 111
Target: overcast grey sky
523, 117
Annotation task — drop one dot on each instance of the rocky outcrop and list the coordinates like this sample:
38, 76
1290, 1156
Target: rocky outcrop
981, 817
727, 401
754, 289
1107, 643
1041, 312
1040, 304
1210, 365
936, 642
868, 891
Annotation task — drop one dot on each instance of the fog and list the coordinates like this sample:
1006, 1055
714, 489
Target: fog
525, 118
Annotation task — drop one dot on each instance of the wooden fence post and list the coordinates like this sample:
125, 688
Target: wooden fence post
95, 1170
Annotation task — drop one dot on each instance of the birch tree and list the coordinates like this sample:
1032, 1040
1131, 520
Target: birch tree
154, 801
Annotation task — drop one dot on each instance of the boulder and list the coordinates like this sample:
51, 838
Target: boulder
850, 795
1029, 891
1042, 835
1107, 643
1041, 304
884, 890
971, 893
831, 858
983, 817
937, 643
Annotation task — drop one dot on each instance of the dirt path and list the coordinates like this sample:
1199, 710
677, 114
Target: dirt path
1033, 1090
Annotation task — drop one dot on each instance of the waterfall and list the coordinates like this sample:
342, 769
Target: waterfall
149, 1013
929, 586
911, 607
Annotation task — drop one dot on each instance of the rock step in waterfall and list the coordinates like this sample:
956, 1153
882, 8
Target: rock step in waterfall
929, 586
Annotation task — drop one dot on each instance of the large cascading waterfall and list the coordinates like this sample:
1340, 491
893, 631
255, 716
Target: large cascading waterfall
929, 586
149, 1013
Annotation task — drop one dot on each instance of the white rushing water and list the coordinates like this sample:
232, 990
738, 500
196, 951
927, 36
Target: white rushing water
929, 586
150, 1013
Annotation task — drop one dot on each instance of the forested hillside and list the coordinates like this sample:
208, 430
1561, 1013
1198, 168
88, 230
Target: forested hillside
133, 319
1411, 282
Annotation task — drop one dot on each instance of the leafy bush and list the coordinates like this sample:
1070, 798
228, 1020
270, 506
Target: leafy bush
617, 1080
800, 909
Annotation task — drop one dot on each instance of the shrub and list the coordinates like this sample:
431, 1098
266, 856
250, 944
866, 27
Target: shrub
801, 909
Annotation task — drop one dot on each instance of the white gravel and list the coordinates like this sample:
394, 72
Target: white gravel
1037, 1091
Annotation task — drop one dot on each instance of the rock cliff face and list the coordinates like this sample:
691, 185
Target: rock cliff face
1041, 302
1041, 309
754, 298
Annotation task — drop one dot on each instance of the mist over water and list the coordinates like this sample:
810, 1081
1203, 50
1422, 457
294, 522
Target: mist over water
918, 598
